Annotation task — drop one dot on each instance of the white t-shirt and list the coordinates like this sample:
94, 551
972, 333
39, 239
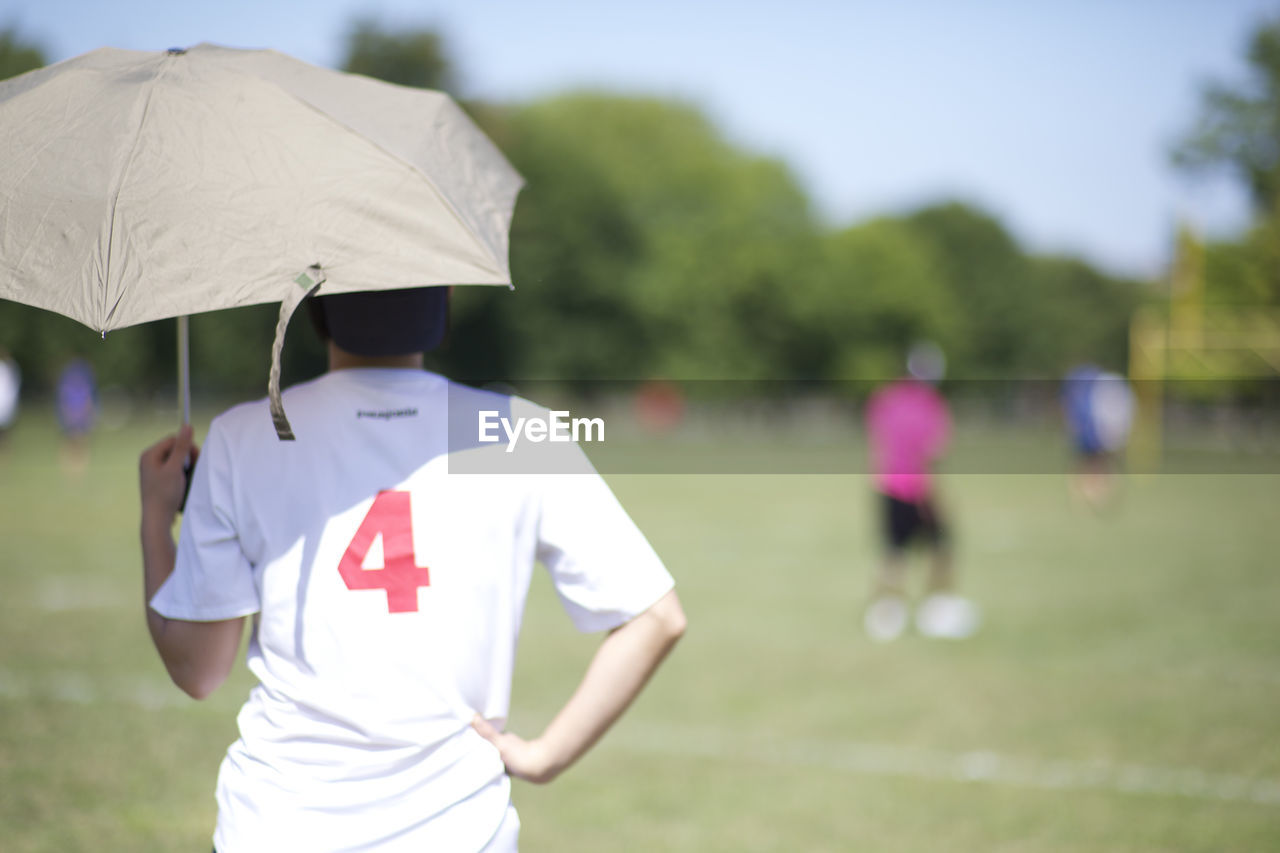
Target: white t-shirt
1111, 402
10, 384
387, 595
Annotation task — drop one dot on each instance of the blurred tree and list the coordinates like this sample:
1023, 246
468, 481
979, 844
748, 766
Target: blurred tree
1013, 314
880, 290
1239, 127
16, 55
647, 245
1082, 316
1244, 272
574, 246
409, 57
989, 278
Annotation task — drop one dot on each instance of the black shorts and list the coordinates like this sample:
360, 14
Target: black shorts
906, 520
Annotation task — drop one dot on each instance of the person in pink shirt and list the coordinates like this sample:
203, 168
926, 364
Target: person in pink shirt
908, 426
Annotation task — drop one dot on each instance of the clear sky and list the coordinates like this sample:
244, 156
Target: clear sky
1057, 117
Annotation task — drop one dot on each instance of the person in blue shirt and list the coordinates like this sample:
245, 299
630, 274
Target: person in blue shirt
1098, 407
77, 405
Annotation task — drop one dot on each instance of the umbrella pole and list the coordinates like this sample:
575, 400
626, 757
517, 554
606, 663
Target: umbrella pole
184, 373
184, 398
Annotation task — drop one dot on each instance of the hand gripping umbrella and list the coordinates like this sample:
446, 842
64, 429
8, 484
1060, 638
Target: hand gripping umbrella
136, 186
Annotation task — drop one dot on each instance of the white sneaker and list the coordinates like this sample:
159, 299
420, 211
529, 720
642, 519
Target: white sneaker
885, 619
947, 616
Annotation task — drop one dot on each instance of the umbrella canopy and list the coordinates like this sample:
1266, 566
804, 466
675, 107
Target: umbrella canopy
137, 186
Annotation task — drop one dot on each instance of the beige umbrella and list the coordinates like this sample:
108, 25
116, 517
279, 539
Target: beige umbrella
136, 186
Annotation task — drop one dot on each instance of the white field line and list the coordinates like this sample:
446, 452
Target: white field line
861, 759
870, 759
68, 595
77, 688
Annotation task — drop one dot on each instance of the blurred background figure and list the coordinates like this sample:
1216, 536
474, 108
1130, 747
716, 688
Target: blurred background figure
659, 406
77, 402
10, 385
908, 425
1098, 406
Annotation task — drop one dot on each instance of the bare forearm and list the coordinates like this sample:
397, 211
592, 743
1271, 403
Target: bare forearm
618, 672
158, 556
197, 655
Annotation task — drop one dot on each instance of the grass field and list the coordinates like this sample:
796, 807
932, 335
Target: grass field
1124, 693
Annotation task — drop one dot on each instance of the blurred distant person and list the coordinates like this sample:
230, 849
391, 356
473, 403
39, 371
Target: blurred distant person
908, 426
77, 404
10, 385
659, 406
1098, 406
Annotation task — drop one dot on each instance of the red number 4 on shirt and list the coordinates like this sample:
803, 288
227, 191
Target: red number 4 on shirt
400, 575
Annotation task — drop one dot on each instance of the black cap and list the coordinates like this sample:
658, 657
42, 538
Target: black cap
384, 322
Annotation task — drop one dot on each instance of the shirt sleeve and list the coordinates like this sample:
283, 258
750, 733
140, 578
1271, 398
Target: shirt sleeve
212, 578
604, 570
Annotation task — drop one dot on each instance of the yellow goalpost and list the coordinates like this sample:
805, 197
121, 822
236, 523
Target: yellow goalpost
1188, 340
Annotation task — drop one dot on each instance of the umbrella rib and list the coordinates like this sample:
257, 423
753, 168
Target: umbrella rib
479, 240
115, 194
111, 313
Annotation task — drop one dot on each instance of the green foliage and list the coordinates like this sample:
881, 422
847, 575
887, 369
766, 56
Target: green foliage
16, 55
880, 289
573, 245
1080, 315
989, 278
411, 57
645, 244
1244, 272
1239, 127
231, 350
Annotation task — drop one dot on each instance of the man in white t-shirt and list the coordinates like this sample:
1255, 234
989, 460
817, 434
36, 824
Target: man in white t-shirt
385, 597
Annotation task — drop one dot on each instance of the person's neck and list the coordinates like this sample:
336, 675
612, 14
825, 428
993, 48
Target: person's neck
340, 359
